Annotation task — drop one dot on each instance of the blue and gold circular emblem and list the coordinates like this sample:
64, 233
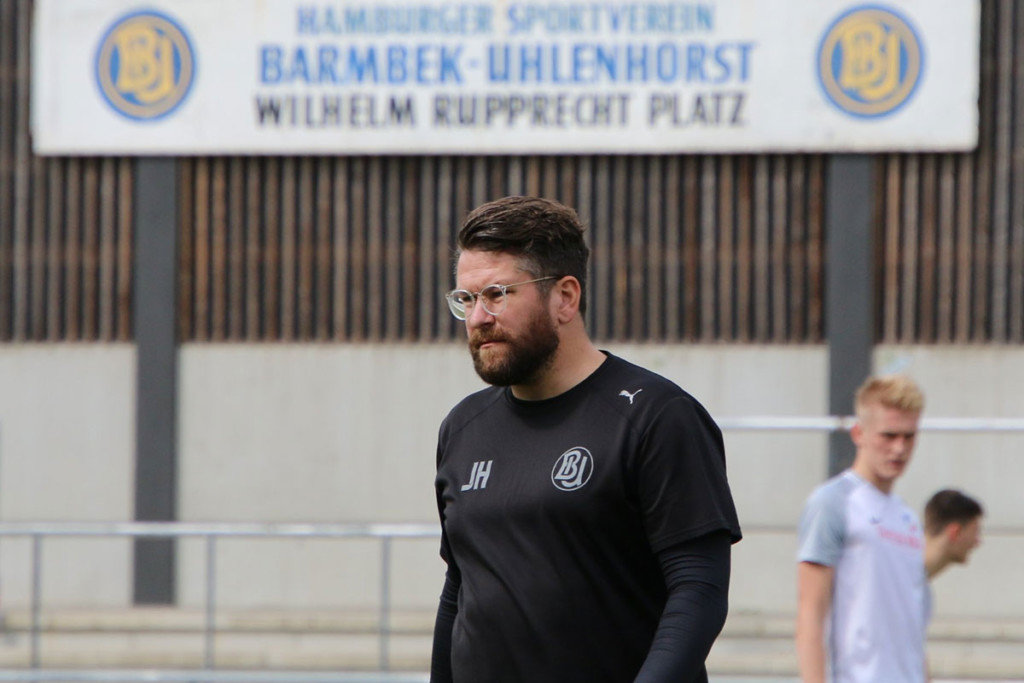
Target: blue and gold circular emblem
870, 61
145, 65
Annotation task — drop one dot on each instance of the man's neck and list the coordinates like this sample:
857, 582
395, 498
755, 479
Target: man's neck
575, 360
885, 486
935, 559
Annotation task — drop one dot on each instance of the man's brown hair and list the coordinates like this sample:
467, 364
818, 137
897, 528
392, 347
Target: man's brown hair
948, 506
545, 237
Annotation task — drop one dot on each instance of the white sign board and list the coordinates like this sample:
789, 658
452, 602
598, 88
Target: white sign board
133, 77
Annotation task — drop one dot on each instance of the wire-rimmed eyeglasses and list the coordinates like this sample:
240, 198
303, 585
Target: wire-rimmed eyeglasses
493, 298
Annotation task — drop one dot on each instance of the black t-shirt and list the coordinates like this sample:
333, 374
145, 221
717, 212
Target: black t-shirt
553, 512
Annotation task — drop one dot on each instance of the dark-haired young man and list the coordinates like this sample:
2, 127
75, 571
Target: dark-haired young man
586, 517
952, 529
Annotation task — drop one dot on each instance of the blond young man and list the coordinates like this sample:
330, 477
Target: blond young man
861, 611
952, 530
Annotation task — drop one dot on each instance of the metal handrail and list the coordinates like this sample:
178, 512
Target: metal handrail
179, 529
834, 423
37, 531
385, 532
204, 676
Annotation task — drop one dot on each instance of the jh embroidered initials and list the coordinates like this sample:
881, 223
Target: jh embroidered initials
478, 477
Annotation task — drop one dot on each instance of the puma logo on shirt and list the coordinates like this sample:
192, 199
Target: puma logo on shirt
630, 396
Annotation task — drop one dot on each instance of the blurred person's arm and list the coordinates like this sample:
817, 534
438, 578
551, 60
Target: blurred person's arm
814, 599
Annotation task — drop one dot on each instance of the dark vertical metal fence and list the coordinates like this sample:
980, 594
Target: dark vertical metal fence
360, 248
951, 233
65, 224
694, 248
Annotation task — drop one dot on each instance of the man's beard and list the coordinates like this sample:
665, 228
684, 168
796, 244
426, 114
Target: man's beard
524, 358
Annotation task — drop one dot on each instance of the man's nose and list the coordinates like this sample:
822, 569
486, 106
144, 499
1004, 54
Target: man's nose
478, 315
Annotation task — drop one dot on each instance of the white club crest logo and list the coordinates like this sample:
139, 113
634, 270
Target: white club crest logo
573, 468
145, 65
870, 61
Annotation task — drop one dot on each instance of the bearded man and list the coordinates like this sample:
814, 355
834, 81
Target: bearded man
586, 517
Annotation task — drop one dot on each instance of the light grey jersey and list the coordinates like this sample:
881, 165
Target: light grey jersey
874, 543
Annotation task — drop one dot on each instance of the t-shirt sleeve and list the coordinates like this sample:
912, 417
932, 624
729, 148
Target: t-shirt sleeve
442, 438
822, 530
680, 476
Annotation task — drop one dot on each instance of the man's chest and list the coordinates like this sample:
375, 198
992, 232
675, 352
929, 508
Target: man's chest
885, 529
494, 476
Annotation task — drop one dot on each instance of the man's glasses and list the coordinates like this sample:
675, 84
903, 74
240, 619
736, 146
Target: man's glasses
493, 298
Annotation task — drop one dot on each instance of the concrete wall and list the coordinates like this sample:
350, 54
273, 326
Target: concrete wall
326, 433
67, 440
984, 381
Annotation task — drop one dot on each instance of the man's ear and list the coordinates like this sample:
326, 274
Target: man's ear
856, 432
566, 293
952, 531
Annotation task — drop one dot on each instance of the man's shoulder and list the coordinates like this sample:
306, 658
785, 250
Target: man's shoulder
841, 484
472, 406
628, 383
833, 493
621, 369
822, 529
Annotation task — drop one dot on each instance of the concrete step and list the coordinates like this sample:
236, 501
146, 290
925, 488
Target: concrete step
193, 620
990, 661
774, 625
751, 645
966, 648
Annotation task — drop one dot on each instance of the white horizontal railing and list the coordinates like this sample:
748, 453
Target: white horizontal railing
832, 423
202, 676
211, 532
385, 533
218, 529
